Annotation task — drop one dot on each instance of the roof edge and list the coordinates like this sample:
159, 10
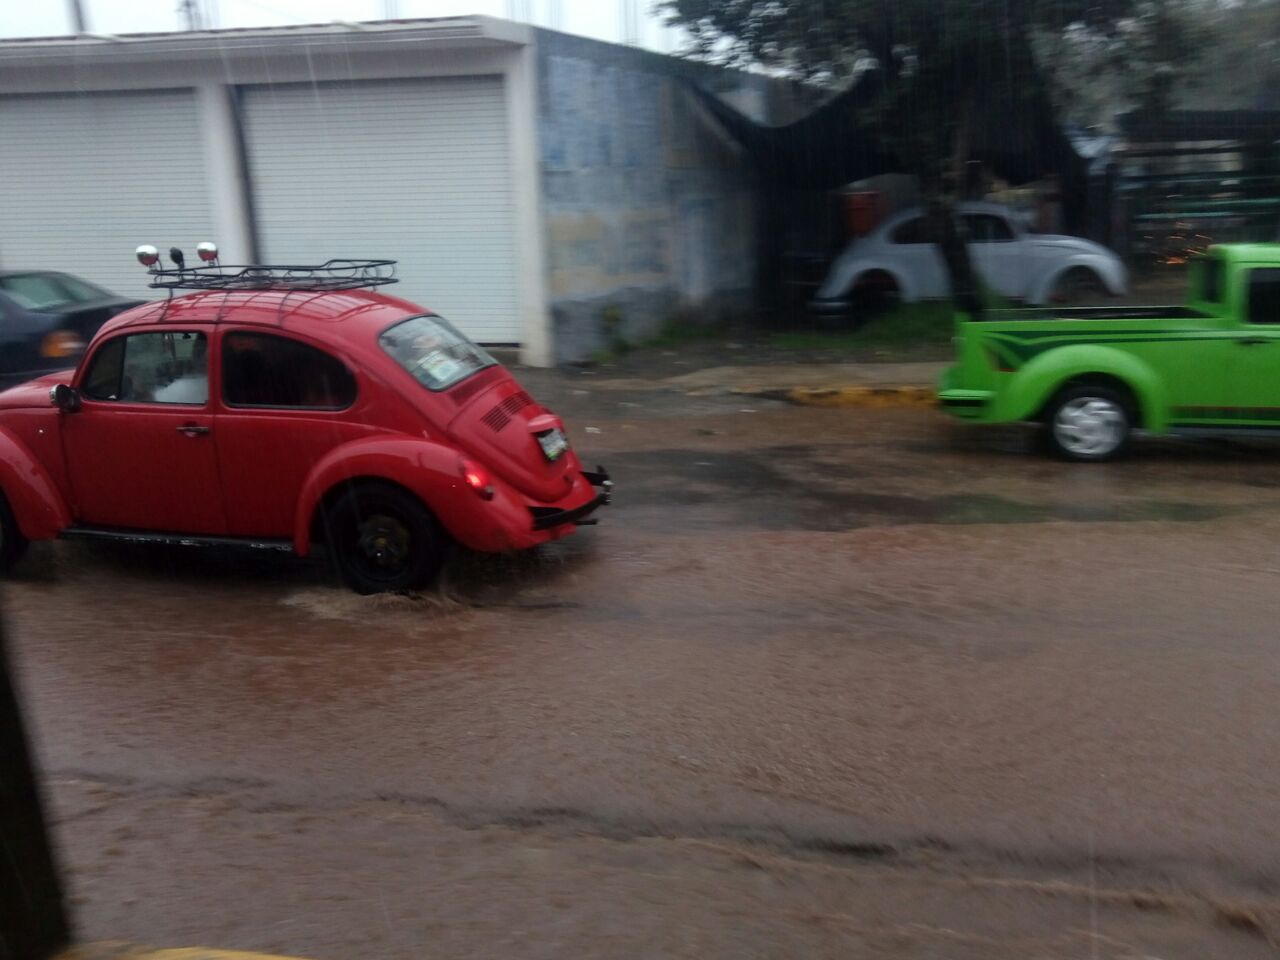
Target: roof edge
443, 31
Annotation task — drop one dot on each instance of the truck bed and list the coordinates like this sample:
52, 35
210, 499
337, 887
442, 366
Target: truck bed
1092, 313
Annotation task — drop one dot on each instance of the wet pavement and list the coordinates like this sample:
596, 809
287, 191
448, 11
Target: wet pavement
821, 683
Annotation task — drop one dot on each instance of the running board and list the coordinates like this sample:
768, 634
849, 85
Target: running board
174, 539
1236, 431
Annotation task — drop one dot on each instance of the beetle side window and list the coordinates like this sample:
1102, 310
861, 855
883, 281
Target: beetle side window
261, 370
1264, 295
912, 231
987, 228
168, 367
102, 382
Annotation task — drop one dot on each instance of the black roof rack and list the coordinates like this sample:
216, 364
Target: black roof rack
331, 275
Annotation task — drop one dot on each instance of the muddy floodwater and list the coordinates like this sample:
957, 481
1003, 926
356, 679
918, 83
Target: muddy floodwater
820, 683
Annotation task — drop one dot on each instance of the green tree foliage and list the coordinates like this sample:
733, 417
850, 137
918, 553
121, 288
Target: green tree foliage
1240, 64
944, 65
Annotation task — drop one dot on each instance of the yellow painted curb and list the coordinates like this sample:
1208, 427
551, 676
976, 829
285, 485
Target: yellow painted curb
855, 397
122, 951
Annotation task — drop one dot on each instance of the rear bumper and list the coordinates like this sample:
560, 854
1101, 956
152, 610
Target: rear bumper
966, 404
513, 521
959, 402
547, 518
829, 308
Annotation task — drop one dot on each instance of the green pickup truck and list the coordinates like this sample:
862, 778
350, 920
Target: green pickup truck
1091, 376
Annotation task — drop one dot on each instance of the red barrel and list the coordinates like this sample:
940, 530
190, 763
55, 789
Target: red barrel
862, 211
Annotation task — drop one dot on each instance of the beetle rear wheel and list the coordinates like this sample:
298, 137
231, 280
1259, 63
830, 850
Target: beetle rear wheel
874, 295
1079, 286
383, 540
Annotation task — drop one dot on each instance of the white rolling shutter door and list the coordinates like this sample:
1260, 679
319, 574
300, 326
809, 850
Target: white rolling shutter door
85, 178
411, 170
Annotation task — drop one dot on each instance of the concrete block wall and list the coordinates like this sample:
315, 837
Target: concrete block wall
649, 212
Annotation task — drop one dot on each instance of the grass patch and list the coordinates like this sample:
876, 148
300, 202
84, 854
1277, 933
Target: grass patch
911, 329
676, 334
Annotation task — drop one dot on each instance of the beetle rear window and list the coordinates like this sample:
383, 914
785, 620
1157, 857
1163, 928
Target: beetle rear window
433, 351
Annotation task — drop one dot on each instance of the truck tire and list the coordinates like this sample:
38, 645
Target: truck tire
383, 540
13, 545
1088, 422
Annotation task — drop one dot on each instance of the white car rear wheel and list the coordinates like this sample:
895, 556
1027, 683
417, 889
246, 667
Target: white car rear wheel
1079, 286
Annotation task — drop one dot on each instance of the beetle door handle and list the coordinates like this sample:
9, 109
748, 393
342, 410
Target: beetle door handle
1252, 341
193, 429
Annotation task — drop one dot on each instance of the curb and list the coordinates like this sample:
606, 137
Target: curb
852, 397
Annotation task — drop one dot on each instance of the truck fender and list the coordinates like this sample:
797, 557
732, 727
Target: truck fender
38, 507
1043, 376
429, 470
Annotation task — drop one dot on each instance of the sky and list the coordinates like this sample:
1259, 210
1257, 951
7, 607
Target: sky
594, 18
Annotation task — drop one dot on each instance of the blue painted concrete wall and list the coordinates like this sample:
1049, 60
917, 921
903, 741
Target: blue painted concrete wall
650, 214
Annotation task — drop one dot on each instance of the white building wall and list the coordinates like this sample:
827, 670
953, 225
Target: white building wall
215, 65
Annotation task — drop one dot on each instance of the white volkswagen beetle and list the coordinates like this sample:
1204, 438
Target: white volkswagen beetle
896, 260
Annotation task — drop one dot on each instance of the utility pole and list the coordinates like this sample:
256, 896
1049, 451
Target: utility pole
555, 14
390, 10
190, 11
76, 10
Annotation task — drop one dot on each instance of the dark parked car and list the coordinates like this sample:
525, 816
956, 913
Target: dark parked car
46, 319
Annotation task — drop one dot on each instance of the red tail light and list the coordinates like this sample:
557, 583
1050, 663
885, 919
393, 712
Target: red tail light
478, 479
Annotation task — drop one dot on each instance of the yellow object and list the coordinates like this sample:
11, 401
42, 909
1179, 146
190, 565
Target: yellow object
61, 344
126, 951
853, 397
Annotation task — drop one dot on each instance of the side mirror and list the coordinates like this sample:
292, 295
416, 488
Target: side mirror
65, 398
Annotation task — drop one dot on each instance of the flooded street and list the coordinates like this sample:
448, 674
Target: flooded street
821, 682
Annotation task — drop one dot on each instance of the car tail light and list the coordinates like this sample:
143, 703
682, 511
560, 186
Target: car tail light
478, 479
62, 343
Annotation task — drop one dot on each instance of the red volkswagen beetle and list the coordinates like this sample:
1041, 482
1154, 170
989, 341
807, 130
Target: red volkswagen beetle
278, 407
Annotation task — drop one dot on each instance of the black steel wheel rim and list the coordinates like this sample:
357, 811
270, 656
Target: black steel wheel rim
382, 548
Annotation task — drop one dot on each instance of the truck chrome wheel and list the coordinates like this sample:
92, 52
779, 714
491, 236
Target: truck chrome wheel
1090, 427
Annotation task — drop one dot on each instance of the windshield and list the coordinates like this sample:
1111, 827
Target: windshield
45, 291
431, 349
